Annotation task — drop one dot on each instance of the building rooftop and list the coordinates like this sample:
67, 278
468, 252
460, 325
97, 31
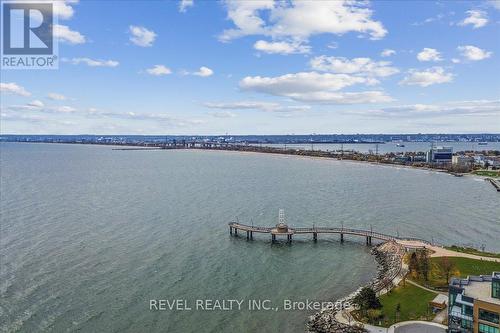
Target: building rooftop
480, 291
440, 298
477, 287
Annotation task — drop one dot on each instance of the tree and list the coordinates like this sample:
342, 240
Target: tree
413, 264
374, 315
424, 264
447, 266
367, 299
398, 311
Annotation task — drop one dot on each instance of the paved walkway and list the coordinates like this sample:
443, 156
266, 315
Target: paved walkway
441, 316
343, 315
425, 288
417, 326
442, 252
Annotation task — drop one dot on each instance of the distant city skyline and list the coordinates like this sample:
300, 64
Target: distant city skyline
263, 67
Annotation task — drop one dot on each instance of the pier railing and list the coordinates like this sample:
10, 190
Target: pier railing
369, 234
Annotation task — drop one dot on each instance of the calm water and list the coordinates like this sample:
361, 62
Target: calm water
391, 147
90, 235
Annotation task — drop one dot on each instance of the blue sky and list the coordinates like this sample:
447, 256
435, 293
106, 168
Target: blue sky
263, 67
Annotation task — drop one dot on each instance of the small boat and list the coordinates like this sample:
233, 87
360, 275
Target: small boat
400, 145
483, 143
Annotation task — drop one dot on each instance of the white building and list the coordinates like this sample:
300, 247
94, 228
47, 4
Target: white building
461, 160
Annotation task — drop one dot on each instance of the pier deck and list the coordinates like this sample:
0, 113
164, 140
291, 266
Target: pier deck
495, 183
234, 227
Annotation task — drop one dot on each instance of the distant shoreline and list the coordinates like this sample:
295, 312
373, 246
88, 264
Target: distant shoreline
132, 147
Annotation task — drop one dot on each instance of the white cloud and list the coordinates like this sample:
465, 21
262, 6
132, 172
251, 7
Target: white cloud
428, 54
300, 19
332, 45
13, 88
39, 106
303, 82
94, 62
66, 35
62, 9
425, 78
473, 53
329, 97
436, 18
65, 109
184, 5
466, 108
56, 97
476, 18
36, 104
141, 36
455, 60
204, 72
23, 117
281, 47
314, 87
387, 53
158, 70
258, 105
222, 114
362, 66
166, 119
495, 3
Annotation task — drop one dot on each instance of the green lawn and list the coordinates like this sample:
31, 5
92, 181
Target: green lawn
462, 268
414, 303
487, 173
466, 266
472, 251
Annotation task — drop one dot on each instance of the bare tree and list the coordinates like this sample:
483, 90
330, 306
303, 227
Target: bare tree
447, 266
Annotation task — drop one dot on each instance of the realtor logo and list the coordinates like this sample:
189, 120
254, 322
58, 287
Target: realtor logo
27, 35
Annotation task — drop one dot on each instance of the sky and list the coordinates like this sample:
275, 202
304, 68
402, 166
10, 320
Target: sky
263, 67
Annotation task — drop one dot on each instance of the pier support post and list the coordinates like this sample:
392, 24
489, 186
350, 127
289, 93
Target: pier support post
236, 231
370, 240
341, 238
248, 235
230, 230
315, 236
273, 238
251, 234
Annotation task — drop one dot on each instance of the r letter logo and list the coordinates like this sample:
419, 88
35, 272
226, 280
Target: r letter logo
27, 36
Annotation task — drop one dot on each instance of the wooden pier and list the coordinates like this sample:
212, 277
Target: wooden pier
282, 230
495, 183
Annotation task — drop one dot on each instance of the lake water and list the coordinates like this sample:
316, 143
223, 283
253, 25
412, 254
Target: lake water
89, 235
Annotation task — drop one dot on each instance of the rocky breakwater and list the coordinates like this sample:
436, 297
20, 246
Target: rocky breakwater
389, 258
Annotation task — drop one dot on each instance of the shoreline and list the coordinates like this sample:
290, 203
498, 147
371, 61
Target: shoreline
150, 148
390, 272
389, 259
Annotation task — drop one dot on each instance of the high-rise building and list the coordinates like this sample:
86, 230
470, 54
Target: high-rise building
474, 304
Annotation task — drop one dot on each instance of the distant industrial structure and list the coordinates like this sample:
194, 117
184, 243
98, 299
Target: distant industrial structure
474, 304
